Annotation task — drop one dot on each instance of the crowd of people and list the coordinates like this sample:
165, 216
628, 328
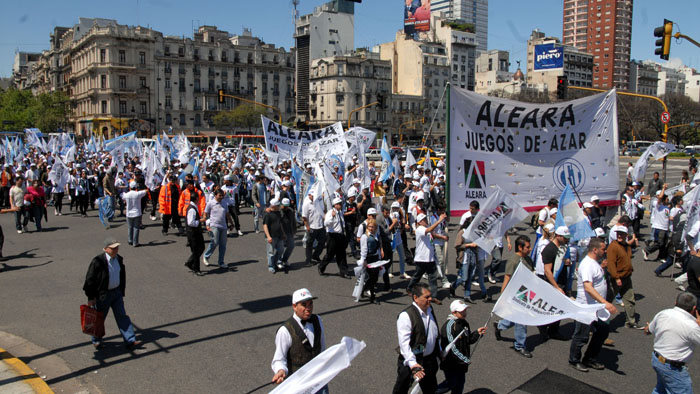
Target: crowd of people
373, 219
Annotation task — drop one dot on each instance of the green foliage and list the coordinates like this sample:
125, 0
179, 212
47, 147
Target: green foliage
460, 26
20, 109
242, 116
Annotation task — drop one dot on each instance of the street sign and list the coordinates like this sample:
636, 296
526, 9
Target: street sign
665, 117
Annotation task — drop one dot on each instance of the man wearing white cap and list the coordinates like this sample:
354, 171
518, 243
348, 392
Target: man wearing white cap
217, 215
274, 232
289, 225
299, 339
230, 194
631, 206
620, 268
313, 216
133, 212
424, 257
337, 240
550, 254
597, 213
456, 363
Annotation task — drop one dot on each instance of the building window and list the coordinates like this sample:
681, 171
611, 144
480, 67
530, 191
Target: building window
103, 83
103, 55
182, 119
122, 82
122, 107
104, 106
168, 102
144, 107
122, 56
167, 83
142, 82
197, 120
168, 120
142, 57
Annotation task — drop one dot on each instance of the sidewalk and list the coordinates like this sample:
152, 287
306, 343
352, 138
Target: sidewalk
17, 378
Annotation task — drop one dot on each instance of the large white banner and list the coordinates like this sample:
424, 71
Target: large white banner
286, 143
531, 150
530, 301
498, 215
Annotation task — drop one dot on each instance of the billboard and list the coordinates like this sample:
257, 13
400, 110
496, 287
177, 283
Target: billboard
416, 16
548, 57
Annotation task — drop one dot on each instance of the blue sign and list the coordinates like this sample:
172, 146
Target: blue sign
547, 57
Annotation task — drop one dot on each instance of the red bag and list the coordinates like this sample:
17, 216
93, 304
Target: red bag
92, 321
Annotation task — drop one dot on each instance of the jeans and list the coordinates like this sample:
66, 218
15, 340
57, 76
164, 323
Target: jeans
520, 332
454, 382
496, 260
660, 242
464, 277
600, 334
288, 247
218, 238
257, 214
425, 267
478, 271
439, 250
114, 299
627, 293
110, 207
402, 259
37, 213
19, 215
274, 252
134, 227
671, 379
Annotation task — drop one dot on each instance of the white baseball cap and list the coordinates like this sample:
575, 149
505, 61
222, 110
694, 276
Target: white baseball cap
395, 204
458, 306
420, 196
371, 211
352, 193
301, 295
621, 229
337, 200
133, 185
553, 211
287, 183
595, 198
587, 205
599, 232
286, 202
563, 231
549, 227
274, 202
421, 217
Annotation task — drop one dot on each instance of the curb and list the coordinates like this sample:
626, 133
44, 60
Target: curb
27, 374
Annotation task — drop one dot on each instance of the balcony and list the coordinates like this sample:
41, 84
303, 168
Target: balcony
197, 72
168, 70
181, 71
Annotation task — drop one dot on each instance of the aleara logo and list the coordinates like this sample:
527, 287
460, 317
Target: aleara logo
529, 300
475, 179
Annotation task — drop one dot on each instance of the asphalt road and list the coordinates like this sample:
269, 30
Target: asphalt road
215, 333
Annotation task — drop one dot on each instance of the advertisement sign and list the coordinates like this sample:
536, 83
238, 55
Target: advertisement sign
285, 143
416, 16
548, 57
532, 151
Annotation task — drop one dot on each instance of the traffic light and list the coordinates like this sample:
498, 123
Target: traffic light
663, 44
221, 96
562, 87
380, 100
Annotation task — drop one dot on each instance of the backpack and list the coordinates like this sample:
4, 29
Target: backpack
534, 219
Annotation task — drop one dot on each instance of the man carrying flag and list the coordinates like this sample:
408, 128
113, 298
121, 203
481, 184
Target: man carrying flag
592, 289
549, 256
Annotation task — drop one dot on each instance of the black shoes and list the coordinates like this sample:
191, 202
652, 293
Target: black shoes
321, 271
497, 332
523, 352
345, 275
134, 345
469, 300
452, 291
579, 367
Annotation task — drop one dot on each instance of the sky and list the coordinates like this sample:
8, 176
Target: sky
26, 25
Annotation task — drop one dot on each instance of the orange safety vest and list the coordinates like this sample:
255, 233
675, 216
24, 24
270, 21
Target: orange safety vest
165, 198
185, 202
4, 179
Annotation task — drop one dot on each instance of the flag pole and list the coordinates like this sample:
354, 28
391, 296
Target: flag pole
574, 189
480, 336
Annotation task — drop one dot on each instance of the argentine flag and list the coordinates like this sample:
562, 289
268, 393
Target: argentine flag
387, 165
571, 216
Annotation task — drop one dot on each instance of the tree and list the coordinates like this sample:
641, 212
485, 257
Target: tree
20, 110
242, 116
51, 110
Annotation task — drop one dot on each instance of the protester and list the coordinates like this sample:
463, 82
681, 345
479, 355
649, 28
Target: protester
370, 252
195, 238
217, 217
105, 284
456, 363
337, 241
168, 205
17, 193
313, 215
289, 225
676, 334
549, 257
299, 339
620, 269
418, 343
133, 200
275, 236
36, 196
425, 254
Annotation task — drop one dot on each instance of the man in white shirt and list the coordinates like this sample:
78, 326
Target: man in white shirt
676, 334
299, 339
417, 325
660, 221
424, 258
592, 289
313, 215
133, 212
337, 239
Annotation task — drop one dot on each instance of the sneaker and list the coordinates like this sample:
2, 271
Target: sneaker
634, 326
366, 293
594, 365
240, 233
609, 342
680, 287
20, 232
469, 300
257, 231
280, 266
523, 352
446, 285
272, 270
25, 229
646, 255
55, 212
406, 276
205, 261
491, 279
497, 332
475, 283
679, 266
391, 275
579, 367
222, 265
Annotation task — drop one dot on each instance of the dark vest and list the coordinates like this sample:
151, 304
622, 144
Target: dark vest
418, 335
301, 351
373, 246
196, 212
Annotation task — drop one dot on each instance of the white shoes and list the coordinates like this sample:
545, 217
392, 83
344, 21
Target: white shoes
446, 285
391, 275
491, 279
240, 233
205, 261
406, 276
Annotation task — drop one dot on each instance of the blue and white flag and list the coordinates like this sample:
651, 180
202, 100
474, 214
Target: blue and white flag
571, 216
387, 165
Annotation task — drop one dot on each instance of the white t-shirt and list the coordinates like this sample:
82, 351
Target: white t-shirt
543, 217
313, 212
465, 216
133, 202
424, 247
660, 217
590, 271
539, 265
440, 229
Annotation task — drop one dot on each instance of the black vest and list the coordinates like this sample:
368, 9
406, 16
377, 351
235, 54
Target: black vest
301, 351
418, 334
196, 212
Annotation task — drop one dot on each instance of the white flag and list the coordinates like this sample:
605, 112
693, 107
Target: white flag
499, 214
321, 369
410, 160
530, 301
659, 149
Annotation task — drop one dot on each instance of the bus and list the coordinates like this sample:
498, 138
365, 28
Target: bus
635, 148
